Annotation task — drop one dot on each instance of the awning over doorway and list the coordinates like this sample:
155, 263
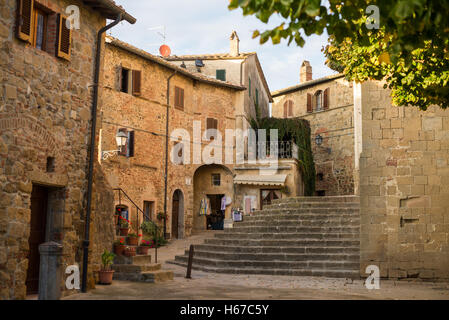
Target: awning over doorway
264, 180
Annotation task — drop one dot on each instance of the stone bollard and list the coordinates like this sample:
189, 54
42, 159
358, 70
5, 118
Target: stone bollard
49, 272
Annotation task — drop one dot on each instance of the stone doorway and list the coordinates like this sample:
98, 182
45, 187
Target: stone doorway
38, 225
177, 227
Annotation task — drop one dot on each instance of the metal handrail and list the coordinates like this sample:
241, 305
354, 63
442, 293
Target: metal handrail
120, 190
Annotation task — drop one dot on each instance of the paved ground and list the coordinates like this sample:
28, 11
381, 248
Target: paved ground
217, 286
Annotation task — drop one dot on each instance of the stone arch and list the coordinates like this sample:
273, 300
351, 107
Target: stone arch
202, 188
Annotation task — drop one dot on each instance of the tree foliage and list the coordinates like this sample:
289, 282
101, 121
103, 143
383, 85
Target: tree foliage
410, 49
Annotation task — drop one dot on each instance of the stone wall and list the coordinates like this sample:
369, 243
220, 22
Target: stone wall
334, 158
45, 107
404, 187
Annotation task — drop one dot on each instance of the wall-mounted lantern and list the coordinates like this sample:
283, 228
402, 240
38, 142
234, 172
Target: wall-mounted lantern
121, 138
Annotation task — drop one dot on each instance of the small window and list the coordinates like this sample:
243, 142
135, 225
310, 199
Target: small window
179, 98
319, 101
216, 179
211, 123
321, 193
40, 29
125, 80
148, 209
320, 177
50, 164
249, 86
221, 74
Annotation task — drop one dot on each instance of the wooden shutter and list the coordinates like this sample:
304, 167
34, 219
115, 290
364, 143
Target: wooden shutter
182, 98
25, 20
64, 39
136, 80
290, 108
221, 74
179, 98
326, 99
130, 145
285, 109
309, 103
209, 123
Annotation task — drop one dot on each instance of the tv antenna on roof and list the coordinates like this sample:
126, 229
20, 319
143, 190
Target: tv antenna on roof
164, 50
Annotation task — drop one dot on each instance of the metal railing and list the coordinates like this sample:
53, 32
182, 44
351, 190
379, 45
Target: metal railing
144, 215
283, 149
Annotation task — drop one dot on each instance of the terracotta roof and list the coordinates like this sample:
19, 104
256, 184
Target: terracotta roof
225, 56
148, 56
109, 9
211, 56
306, 84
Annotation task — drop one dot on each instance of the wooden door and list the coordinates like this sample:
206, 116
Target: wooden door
39, 201
175, 216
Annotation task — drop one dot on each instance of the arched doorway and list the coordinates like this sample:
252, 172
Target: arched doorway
177, 220
210, 184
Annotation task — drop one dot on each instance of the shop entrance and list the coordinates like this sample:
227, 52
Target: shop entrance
215, 220
267, 196
38, 223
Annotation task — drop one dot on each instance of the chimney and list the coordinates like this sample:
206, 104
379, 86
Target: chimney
234, 44
305, 72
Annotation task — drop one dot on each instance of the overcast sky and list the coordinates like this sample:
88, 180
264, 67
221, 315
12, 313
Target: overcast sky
204, 26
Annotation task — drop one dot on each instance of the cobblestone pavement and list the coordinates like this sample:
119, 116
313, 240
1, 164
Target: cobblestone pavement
205, 285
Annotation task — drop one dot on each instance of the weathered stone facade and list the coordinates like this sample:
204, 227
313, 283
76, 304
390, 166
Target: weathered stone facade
142, 176
404, 186
45, 113
334, 158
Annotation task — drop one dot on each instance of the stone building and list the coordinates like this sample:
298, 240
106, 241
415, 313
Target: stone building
395, 158
196, 102
47, 75
327, 103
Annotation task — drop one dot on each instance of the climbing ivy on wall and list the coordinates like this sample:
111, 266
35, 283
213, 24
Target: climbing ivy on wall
298, 131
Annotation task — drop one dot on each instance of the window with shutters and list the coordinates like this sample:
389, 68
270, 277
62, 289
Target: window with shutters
221, 74
148, 208
37, 25
179, 98
288, 109
130, 81
136, 82
125, 80
309, 103
211, 123
319, 100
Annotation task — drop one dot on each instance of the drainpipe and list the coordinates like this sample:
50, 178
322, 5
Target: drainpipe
166, 153
92, 150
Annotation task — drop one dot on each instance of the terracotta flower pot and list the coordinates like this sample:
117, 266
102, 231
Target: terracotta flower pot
105, 276
119, 249
130, 252
143, 250
133, 241
124, 231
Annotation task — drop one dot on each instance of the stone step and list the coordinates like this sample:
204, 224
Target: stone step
292, 229
135, 268
314, 205
137, 259
275, 257
147, 276
299, 223
323, 264
316, 272
351, 198
309, 243
302, 217
354, 249
305, 211
285, 235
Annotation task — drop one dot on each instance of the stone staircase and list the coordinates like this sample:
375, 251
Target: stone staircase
301, 236
139, 268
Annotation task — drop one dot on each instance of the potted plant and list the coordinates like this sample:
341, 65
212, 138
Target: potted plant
133, 239
124, 226
130, 251
105, 273
145, 245
161, 216
119, 246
